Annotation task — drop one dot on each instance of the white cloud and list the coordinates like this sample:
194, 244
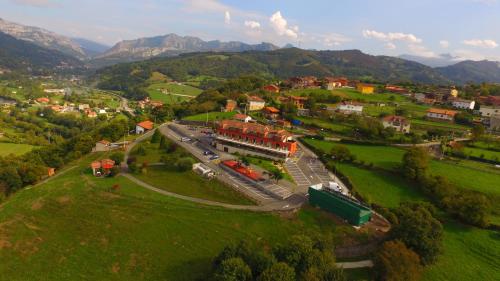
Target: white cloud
487, 43
390, 46
391, 36
329, 40
444, 44
280, 26
35, 3
227, 17
252, 24
421, 51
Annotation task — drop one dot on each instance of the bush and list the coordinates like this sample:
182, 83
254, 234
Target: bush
233, 269
394, 262
117, 157
184, 164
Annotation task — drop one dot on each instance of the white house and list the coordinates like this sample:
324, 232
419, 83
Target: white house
348, 107
83, 106
463, 104
203, 170
441, 114
255, 103
143, 127
242, 118
488, 111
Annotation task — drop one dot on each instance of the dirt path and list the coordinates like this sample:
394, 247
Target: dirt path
355, 264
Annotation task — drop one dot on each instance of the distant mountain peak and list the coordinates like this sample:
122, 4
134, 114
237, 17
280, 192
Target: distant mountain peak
172, 44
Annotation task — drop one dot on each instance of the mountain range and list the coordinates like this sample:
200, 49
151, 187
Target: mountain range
264, 58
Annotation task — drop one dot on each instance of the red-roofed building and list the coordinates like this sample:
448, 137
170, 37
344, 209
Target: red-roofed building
299, 102
255, 103
399, 123
254, 139
441, 114
271, 88
396, 89
303, 82
143, 127
271, 112
242, 170
331, 83
43, 100
103, 167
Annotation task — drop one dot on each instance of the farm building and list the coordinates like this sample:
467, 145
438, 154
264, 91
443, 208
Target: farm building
203, 170
365, 88
337, 203
441, 114
143, 127
255, 103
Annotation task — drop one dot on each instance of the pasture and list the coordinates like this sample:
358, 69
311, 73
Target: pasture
14, 148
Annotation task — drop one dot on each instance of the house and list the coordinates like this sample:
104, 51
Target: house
102, 145
102, 111
495, 123
254, 139
399, 123
242, 118
56, 108
463, 104
84, 106
51, 172
488, 111
103, 167
156, 104
365, 88
271, 88
271, 112
283, 123
350, 107
43, 100
490, 100
441, 114
396, 89
454, 92
331, 83
303, 82
91, 114
255, 103
299, 102
54, 91
230, 106
143, 127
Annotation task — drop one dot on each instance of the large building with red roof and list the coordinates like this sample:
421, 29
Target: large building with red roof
254, 139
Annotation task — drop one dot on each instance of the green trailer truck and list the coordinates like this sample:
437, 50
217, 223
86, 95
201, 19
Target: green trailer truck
337, 203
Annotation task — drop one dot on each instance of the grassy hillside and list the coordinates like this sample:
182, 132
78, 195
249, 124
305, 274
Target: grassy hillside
280, 64
14, 148
75, 227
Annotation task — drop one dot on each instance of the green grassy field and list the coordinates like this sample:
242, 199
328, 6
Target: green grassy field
75, 227
384, 97
212, 116
332, 126
190, 184
469, 253
477, 152
14, 148
268, 166
177, 92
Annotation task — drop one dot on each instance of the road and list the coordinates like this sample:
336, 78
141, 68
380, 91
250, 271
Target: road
355, 264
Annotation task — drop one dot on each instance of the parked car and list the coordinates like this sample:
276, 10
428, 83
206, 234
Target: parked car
185, 139
207, 152
214, 157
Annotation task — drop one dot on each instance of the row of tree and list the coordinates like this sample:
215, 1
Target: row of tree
300, 258
468, 206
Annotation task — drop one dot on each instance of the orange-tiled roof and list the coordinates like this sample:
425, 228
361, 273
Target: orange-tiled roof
395, 118
148, 125
255, 98
442, 111
107, 163
95, 165
44, 100
105, 142
254, 129
240, 116
271, 109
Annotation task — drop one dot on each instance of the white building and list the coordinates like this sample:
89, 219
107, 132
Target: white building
83, 106
203, 170
399, 123
488, 111
54, 91
350, 107
464, 104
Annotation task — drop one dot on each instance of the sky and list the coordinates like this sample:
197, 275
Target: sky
466, 29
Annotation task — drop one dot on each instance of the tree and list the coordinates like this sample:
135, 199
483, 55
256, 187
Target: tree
277, 175
163, 143
395, 262
278, 272
117, 157
469, 207
296, 252
233, 269
415, 163
156, 136
341, 153
184, 164
419, 230
477, 132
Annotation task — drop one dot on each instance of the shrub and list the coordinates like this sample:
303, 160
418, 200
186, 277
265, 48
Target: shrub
394, 262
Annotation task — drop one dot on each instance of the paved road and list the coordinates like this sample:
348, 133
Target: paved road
355, 264
292, 203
